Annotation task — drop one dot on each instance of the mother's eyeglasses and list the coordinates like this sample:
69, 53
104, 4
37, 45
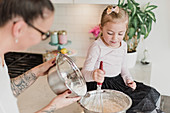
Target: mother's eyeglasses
44, 35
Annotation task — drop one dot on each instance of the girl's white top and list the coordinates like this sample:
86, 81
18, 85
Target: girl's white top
114, 60
8, 102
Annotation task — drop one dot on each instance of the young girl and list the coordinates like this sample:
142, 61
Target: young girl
112, 50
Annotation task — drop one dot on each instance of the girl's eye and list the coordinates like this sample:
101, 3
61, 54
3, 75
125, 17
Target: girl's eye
109, 33
121, 34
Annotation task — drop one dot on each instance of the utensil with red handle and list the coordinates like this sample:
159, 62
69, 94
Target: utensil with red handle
99, 86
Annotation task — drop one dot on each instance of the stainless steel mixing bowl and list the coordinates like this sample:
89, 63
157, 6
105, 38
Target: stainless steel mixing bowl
113, 102
66, 75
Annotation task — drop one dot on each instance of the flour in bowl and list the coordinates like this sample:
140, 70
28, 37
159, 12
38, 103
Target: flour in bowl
113, 101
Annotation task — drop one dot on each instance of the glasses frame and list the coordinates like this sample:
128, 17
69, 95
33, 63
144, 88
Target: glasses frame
47, 34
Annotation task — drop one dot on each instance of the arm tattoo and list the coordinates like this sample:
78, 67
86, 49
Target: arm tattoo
48, 111
20, 83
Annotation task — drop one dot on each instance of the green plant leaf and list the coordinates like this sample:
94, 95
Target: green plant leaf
136, 4
129, 21
131, 32
134, 10
149, 25
125, 6
137, 8
121, 2
132, 7
140, 18
151, 7
143, 29
138, 35
135, 22
146, 6
146, 35
151, 15
142, 14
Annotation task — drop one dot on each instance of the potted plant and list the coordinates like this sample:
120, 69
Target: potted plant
140, 23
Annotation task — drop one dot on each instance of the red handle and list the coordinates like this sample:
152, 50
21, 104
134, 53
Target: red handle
100, 67
100, 84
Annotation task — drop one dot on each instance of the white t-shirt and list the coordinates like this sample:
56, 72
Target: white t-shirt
8, 102
114, 60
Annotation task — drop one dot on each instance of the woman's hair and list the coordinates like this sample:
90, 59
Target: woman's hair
114, 14
29, 10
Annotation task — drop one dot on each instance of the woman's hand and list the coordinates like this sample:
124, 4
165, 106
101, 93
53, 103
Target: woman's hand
98, 75
131, 84
59, 101
63, 100
43, 68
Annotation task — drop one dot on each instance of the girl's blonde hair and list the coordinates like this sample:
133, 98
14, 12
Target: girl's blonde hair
114, 16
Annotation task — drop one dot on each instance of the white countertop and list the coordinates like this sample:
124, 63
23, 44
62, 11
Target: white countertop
39, 94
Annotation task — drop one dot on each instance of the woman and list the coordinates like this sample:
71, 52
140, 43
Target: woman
24, 23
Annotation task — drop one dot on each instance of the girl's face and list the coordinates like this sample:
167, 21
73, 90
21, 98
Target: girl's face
113, 33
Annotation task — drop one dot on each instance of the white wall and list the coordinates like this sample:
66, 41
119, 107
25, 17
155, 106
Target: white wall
79, 19
159, 46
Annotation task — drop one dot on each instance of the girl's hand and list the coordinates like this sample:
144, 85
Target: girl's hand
43, 68
98, 75
131, 84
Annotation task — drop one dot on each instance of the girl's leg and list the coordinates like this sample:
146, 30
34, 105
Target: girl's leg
91, 86
144, 98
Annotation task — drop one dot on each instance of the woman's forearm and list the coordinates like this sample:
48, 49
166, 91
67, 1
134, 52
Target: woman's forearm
47, 109
22, 82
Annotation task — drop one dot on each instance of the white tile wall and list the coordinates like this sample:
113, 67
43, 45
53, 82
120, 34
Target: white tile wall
77, 20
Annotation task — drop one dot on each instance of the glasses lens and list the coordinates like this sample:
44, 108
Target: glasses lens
46, 36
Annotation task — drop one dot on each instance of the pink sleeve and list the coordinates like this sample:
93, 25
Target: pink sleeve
90, 62
124, 69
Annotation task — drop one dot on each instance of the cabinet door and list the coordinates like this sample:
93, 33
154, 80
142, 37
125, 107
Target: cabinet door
62, 1
96, 1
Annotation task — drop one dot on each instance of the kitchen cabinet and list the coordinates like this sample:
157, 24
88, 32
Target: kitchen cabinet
90, 1
62, 1
85, 1
96, 1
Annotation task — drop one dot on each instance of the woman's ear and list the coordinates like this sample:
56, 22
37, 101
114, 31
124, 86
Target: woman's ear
18, 28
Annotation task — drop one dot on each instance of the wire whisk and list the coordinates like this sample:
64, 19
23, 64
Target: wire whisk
98, 100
